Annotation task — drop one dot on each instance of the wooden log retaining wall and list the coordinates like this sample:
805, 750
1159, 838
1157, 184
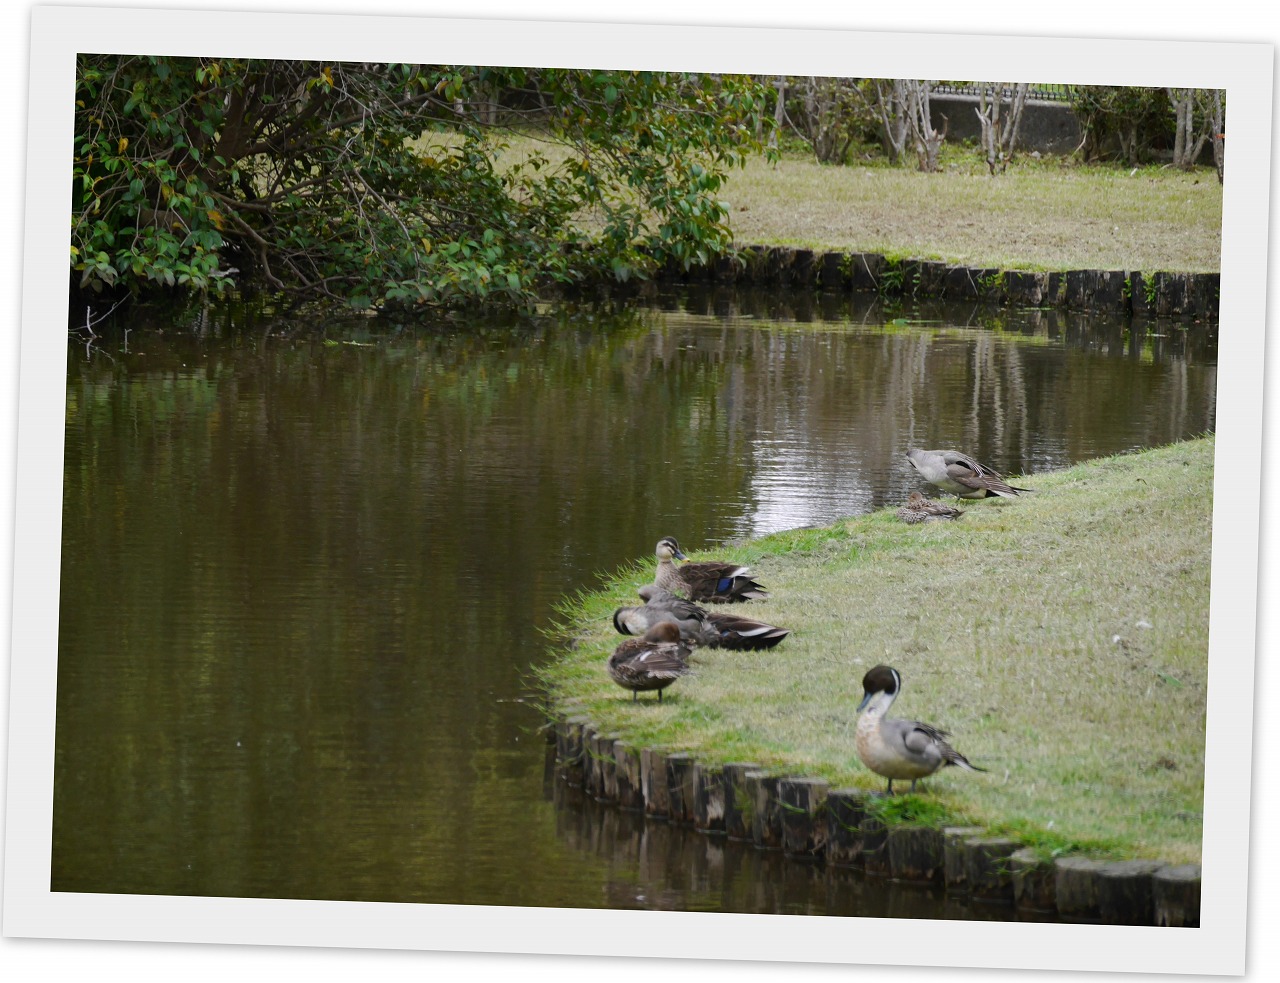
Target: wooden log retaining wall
1142, 293
808, 821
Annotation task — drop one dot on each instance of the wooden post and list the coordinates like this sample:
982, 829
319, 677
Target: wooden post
766, 825
590, 770
987, 868
1033, 880
915, 854
680, 787
608, 767
955, 863
846, 810
1075, 888
571, 762
801, 809
803, 268
653, 779
933, 275
1125, 892
833, 271
708, 798
1176, 896
866, 270
629, 783
737, 803
875, 844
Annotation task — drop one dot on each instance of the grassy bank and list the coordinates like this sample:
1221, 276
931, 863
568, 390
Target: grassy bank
1036, 216
1061, 638
1050, 214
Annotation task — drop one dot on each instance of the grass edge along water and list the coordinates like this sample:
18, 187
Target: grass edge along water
1061, 638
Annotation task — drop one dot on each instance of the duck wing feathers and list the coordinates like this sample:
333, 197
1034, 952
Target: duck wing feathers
735, 632
964, 470
641, 664
723, 583
927, 743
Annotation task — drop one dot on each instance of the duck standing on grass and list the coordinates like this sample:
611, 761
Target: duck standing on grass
921, 509
714, 629
654, 661
895, 748
718, 582
961, 475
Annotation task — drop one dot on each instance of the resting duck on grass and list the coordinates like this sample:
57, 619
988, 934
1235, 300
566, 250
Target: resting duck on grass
921, 509
718, 582
961, 475
711, 628
653, 662
895, 748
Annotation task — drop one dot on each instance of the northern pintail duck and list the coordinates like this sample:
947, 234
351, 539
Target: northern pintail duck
921, 509
720, 582
961, 475
654, 661
696, 623
895, 748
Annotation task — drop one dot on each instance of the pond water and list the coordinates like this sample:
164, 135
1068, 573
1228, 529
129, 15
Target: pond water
307, 567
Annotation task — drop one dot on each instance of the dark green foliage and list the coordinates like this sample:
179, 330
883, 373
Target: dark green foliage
1124, 122
385, 183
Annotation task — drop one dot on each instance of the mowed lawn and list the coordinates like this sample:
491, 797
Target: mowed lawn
1035, 216
1046, 214
1061, 638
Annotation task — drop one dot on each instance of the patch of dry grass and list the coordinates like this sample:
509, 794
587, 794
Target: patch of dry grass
1062, 638
1033, 217
1039, 215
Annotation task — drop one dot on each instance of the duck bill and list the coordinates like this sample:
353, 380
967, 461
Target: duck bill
680, 556
866, 698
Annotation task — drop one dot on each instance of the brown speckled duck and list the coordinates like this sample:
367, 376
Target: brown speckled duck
713, 629
961, 475
714, 582
921, 509
654, 661
895, 748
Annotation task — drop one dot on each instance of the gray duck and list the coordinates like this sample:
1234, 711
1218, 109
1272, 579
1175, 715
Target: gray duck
895, 748
961, 475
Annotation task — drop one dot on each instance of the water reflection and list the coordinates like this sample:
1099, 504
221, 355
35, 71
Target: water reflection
304, 566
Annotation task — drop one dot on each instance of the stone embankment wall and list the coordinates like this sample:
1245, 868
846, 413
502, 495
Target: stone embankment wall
1128, 292
811, 822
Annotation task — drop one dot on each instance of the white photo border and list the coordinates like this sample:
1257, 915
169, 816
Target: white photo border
32, 910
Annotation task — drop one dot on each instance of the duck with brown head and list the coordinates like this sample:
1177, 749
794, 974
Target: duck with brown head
921, 509
894, 748
710, 581
652, 662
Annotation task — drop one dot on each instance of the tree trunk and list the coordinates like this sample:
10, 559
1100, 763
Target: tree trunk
894, 117
1219, 133
1000, 131
779, 110
927, 140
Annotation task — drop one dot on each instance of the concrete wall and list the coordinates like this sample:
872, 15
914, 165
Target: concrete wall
1049, 127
